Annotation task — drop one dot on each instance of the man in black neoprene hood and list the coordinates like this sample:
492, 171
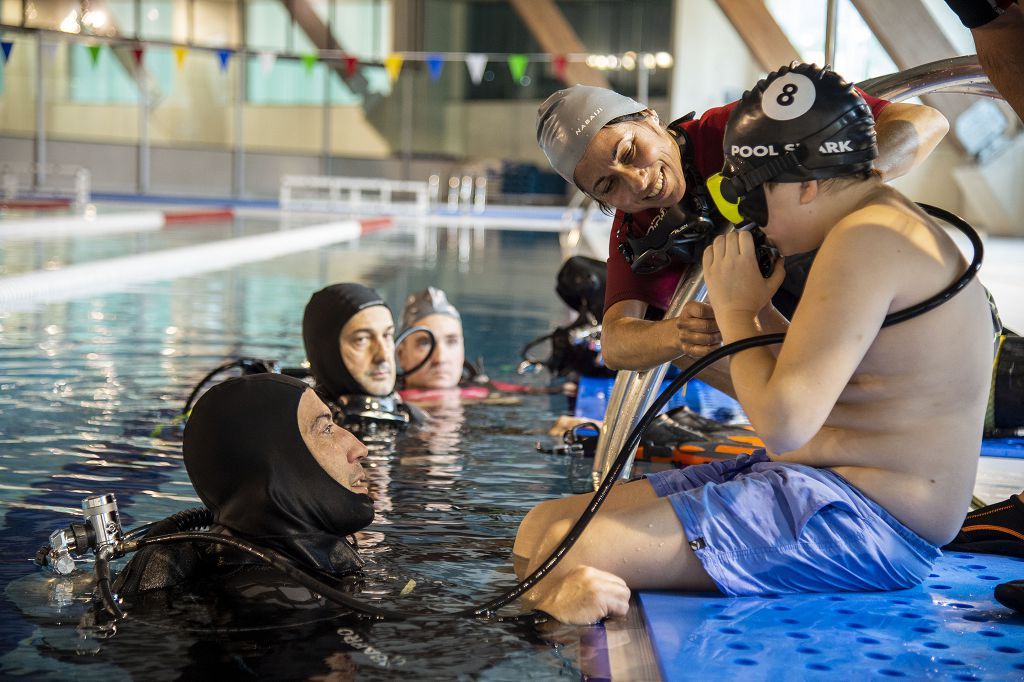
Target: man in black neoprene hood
349, 335
267, 460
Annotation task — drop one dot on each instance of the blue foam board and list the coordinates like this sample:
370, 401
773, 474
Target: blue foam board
950, 627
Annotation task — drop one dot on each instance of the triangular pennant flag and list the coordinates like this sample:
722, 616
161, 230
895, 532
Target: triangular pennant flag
435, 63
559, 62
179, 57
351, 66
224, 56
138, 53
309, 61
7, 46
267, 61
476, 63
94, 53
517, 66
393, 65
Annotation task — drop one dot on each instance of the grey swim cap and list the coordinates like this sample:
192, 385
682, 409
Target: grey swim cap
569, 119
430, 301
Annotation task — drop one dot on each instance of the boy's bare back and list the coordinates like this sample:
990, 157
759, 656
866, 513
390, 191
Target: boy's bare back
906, 428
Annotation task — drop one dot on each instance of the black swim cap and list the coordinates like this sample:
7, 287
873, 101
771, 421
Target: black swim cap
326, 314
800, 123
251, 468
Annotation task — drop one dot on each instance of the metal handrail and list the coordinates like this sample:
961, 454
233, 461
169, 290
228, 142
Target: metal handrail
634, 391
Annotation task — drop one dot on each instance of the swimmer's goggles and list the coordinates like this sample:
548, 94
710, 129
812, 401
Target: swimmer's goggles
674, 236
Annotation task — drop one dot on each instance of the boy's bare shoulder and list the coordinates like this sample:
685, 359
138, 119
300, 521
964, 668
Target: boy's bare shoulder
878, 226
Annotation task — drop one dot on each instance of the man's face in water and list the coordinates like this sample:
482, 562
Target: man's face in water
368, 349
632, 166
444, 368
337, 451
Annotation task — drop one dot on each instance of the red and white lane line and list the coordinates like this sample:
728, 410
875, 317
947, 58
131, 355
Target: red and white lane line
93, 224
50, 286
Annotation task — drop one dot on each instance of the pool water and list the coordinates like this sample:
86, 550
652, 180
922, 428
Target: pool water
83, 384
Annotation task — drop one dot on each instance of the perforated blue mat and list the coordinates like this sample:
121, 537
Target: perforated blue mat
950, 627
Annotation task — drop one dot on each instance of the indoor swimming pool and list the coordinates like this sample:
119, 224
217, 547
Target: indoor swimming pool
85, 382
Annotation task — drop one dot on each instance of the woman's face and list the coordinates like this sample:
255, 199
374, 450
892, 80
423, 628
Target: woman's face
633, 166
337, 451
444, 368
367, 343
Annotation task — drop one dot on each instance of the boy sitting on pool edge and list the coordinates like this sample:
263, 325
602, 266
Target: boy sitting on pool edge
872, 433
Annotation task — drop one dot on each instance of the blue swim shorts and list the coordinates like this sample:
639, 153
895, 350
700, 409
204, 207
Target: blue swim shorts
763, 527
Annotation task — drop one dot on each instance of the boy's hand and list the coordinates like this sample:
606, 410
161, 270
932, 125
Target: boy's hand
735, 284
586, 595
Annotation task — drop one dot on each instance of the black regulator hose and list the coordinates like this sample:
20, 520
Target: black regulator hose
696, 368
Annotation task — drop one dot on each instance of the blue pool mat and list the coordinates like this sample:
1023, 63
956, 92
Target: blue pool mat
1003, 447
950, 627
592, 399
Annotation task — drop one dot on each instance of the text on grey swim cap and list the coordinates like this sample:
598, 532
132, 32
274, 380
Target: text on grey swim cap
569, 119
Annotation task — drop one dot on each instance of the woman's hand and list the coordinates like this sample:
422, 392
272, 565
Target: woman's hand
735, 285
697, 329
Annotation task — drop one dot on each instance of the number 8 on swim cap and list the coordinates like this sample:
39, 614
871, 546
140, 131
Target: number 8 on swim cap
788, 97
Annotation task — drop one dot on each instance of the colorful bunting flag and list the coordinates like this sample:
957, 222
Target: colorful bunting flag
351, 66
179, 57
559, 62
309, 60
7, 46
224, 56
267, 61
94, 53
435, 63
393, 65
476, 64
517, 66
138, 53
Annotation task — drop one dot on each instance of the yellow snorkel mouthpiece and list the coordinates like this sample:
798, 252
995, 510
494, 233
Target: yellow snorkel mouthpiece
730, 210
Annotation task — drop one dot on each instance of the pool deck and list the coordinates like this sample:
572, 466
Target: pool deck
950, 627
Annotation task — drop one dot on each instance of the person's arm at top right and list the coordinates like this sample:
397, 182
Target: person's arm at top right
907, 134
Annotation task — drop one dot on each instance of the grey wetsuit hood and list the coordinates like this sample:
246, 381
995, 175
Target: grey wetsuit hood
326, 314
429, 301
568, 120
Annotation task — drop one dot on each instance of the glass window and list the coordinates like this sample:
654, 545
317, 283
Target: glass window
859, 55
111, 79
156, 21
215, 23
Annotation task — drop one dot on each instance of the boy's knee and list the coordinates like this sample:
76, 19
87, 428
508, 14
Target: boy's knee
537, 529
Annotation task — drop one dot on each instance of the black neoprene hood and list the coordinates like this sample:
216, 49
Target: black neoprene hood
326, 314
245, 455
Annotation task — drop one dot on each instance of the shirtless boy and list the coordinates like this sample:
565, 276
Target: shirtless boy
872, 434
